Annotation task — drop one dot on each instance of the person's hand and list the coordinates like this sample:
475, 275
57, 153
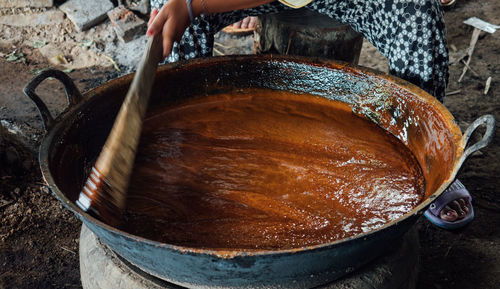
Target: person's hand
171, 21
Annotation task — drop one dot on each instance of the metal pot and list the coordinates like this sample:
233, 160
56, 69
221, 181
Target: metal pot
74, 140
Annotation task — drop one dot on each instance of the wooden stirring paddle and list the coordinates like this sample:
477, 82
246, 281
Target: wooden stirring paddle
104, 193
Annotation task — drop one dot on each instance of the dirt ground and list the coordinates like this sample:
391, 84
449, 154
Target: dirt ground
39, 238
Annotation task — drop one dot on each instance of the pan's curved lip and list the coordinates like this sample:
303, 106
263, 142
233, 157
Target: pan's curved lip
232, 253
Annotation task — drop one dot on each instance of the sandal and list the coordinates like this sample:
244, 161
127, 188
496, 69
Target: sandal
239, 31
455, 191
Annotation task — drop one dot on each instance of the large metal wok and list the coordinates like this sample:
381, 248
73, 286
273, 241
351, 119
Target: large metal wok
74, 140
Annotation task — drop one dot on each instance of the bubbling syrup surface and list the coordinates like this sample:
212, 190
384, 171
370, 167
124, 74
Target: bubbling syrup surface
266, 170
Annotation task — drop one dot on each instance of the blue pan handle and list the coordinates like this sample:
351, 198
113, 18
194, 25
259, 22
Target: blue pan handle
72, 93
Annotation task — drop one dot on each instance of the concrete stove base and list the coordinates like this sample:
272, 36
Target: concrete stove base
102, 268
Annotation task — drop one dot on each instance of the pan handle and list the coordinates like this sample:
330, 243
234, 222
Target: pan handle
72, 93
489, 121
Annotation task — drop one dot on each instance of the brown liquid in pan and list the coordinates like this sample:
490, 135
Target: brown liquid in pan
263, 169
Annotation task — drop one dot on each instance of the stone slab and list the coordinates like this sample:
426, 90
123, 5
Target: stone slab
50, 17
100, 267
86, 13
126, 24
26, 3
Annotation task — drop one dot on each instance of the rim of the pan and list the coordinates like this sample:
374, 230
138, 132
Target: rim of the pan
64, 117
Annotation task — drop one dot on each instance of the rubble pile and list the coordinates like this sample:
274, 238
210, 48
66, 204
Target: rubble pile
74, 34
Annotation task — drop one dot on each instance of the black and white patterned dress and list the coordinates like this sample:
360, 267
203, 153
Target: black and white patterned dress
409, 33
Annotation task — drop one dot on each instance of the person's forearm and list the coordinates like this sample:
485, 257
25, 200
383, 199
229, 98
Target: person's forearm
218, 6
173, 17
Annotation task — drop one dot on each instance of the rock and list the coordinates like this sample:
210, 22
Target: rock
82, 57
86, 13
13, 153
143, 7
52, 52
126, 24
100, 267
76, 58
49, 17
127, 54
26, 3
